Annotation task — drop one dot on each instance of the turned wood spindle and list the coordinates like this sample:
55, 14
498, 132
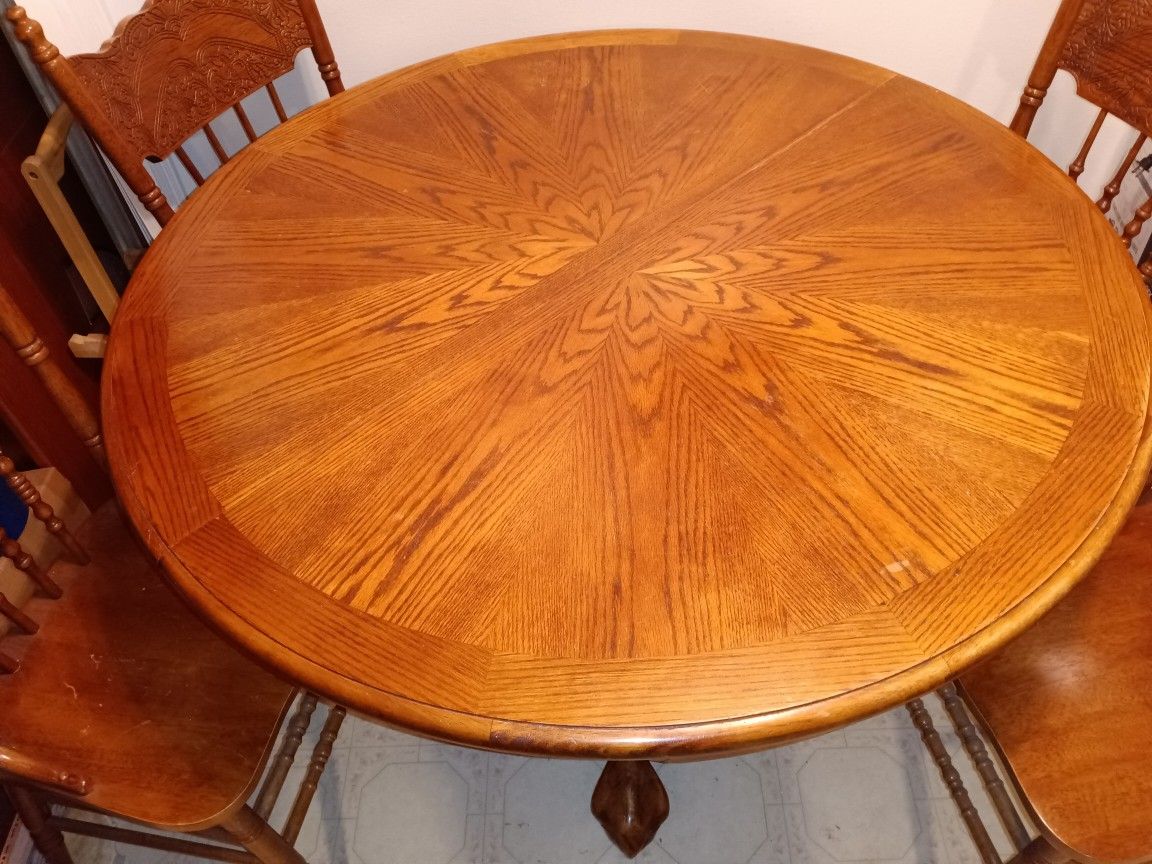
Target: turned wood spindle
257, 836
322, 51
274, 95
17, 616
1133, 228
922, 720
27, 565
293, 736
1113, 187
245, 123
8, 664
37, 817
189, 166
41, 509
1077, 166
217, 147
974, 744
330, 72
320, 755
1146, 270
1031, 99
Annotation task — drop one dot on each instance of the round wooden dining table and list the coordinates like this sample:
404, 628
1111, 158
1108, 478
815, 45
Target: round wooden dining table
631, 395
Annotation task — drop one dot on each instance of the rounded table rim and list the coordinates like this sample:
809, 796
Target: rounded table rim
717, 737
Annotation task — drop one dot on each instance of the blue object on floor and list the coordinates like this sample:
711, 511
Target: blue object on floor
13, 513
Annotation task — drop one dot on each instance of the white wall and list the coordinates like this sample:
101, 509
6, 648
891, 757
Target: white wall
978, 50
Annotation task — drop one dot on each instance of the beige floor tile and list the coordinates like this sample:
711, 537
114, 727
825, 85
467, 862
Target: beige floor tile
546, 813
334, 843
717, 813
412, 813
791, 760
857, 804
471, 765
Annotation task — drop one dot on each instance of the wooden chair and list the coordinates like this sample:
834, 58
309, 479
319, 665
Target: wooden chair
172, 68
1106, 46
115, 698
1068, 706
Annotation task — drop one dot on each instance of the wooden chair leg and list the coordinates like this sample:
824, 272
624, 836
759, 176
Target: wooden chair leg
35, 814
1040, 851
1001, 800
931, 738
257, 836
321, 753
293, 736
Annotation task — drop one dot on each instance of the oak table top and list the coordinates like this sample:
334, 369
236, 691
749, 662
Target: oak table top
633, 394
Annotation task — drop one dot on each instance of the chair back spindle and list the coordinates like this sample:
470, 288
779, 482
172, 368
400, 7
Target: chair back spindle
17, 616
277, 105
1078, 164
41, 509
1133, 228
172, 68
27, 565
1113, 187
1104, 45
189, 166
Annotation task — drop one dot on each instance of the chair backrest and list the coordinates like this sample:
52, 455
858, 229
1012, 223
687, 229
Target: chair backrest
172, 68
20, 335
1107, 47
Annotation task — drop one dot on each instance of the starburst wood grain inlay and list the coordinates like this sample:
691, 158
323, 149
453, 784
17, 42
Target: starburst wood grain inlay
630, 394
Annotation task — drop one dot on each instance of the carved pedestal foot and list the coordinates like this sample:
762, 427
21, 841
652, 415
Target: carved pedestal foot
630, 803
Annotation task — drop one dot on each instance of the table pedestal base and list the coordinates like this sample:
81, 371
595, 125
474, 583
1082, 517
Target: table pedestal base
630, 803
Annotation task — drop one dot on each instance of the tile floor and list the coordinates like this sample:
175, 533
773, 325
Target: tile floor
866, 793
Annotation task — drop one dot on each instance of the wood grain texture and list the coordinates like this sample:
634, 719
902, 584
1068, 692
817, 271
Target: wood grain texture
114, 697
630, 394
1068, 706
173, 738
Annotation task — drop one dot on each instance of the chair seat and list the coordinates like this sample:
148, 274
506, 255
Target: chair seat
1069, 705
125, 687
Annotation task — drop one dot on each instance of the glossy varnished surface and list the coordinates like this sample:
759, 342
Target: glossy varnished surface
630, 394
124, 688
1069, 706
